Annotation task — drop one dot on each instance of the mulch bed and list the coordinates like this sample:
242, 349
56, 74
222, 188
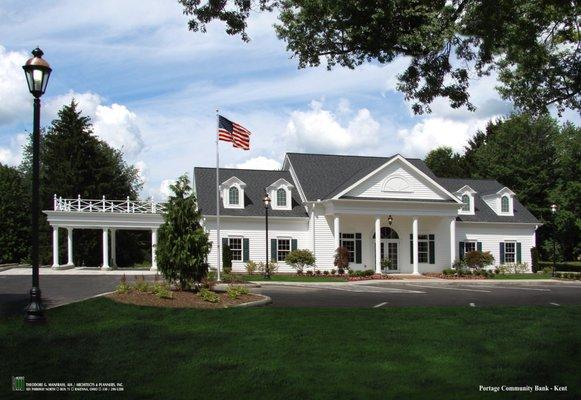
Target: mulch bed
181, 299
454, 277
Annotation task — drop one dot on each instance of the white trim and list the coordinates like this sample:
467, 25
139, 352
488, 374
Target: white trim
407, 163
305, 218
295, 179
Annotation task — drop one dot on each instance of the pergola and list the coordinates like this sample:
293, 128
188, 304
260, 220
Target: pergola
107, 215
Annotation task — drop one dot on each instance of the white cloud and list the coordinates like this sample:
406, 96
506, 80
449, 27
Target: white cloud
12, 155
164, 190
142, 170
86, 102
260, 162
15, 100
118, 126
320, 130
435, 132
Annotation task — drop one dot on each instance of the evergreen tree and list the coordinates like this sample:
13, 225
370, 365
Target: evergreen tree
14, 216
74, 161
183, 244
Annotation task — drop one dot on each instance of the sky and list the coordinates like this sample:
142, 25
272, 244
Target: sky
151, 88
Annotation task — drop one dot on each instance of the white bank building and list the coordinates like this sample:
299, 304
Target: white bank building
376, 207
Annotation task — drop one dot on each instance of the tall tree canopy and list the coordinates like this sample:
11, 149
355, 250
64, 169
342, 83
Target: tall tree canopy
74, 161
14, 216
537, 158
533, 44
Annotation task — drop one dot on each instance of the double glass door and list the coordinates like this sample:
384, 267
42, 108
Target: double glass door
389, 251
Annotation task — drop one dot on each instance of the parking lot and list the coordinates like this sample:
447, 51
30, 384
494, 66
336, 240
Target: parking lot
405, 294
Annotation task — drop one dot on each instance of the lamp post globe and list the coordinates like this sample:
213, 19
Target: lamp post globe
554, 211
266, 205
37, 72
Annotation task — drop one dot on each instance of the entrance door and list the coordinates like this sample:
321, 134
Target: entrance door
389, 250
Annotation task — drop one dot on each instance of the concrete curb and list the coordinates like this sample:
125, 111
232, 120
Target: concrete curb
434, 281
258, 303
223, 287
79, 300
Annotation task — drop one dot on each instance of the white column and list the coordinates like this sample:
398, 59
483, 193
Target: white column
336, 231
70, 262
153, 249
55, 246
415, 246
113, 249
313, 237
452, 241
377, 245
105, 249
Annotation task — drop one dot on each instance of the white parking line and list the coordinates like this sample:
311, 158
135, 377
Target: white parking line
380, 304
472, 305
555, 304
448, 288
512, 288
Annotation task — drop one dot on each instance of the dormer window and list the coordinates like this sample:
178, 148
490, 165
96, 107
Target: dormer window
466, 201
281, 197
504, 204
466, 195
233, 196
232, 193
280, 192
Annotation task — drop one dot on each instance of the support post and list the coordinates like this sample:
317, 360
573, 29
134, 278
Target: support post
452, 241
55, 247
113, 248
415, 246
313, 235
337, 231
70, 261
153, 249
105, 249
377, 245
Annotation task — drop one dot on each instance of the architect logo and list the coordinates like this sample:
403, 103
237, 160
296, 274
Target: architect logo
18, 384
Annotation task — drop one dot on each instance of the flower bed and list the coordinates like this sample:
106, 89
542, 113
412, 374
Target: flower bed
372, 277
454, 277
182, 299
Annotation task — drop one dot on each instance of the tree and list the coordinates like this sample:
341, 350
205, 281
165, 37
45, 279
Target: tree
445, 163
14, 216
183, 244
300, 258
75, 162
227, 258
341, 259
533, 45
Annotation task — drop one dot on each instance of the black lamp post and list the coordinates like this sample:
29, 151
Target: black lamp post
37, 72
554, 211
266, 204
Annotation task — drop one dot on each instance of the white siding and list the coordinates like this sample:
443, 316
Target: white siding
254, 230
416, 187
325, 240
491, 235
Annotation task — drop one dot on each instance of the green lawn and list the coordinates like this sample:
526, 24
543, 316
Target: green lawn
291, 353
293, 278
521, 276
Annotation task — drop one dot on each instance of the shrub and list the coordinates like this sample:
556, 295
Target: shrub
333, 271
513, 268
236, 291
341, 259
232, 278
141, 285
183, 244
478, 259
535, 257
162, 290
251, 267
226, 258
318, 272
272, 268
386, 264
459, 264
309, 273
368, 272
448, 271
123, 287
325, 272
299, 259
208, 295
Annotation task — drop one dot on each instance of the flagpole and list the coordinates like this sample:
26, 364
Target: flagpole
219, 243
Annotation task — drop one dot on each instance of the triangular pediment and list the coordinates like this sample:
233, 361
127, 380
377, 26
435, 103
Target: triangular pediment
398, 179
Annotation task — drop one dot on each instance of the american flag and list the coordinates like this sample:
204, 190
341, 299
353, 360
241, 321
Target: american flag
229, 131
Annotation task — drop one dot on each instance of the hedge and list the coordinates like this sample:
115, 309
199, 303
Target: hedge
570, 266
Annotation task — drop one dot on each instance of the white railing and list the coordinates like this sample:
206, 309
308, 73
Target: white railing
110, 206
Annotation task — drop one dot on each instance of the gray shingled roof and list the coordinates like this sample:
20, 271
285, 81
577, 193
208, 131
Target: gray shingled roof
256, 183
322, 176
482, 212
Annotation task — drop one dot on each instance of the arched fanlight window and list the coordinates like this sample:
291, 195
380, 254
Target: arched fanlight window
388, 233
466, 201
504, 204
233, 195
281, 197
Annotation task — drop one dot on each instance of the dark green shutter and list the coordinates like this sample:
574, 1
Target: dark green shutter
479, 246
461, 250
357, 248
411, 248
502, 252
273, 250
294, 244
224, 243
518, 252
246, 250
432, 249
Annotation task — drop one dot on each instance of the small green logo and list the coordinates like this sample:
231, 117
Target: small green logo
18, 383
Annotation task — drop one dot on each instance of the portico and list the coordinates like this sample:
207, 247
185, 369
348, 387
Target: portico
109, 216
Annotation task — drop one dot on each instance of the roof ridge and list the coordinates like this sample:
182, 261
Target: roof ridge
245, 169
339, 155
